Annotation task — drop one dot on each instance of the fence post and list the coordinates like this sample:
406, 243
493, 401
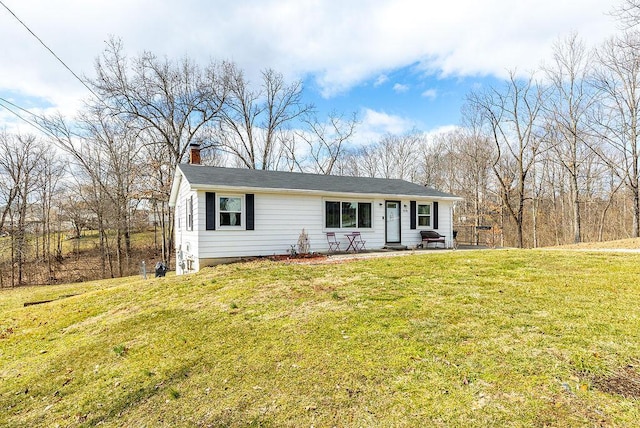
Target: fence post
143, 270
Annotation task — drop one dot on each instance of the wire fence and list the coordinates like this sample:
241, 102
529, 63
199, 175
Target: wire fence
483, 236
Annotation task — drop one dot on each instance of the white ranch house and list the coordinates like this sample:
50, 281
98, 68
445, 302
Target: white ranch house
226, 213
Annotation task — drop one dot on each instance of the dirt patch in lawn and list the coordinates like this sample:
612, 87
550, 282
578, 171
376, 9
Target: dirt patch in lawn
625, 382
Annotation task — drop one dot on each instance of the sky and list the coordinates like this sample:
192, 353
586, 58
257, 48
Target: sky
400, 65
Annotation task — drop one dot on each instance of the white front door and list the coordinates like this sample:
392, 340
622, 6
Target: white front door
393, 222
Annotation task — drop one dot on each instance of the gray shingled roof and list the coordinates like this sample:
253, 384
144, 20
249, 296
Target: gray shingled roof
200, 175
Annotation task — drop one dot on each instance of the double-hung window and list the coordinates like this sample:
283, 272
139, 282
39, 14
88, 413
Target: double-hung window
332, 215
364, 214
347, 214
424, 215
189, 213
230, 211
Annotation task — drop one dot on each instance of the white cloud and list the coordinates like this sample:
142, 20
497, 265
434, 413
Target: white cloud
386, 123
380, 80
375, 124
430, 93
339, 43
399, 88
445, 129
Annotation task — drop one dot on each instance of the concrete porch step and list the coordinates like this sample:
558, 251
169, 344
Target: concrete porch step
397, 247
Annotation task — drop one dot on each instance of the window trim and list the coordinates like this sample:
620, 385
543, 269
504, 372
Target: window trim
356, 203
370, 215
189, 214
430, 215
219, 212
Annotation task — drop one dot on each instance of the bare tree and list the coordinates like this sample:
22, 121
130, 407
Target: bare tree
398, 154
617, 121
473, 154
156, 177
105, 153
512, 116
459, 162
170, 104
253, 118
628, 12
438, 167
115, 148
394, 156
11, 173
566, 110
326, 140
52, 171
170, 101
361, 161
22, 159
74, 208
553, 177
611, 185
434, 161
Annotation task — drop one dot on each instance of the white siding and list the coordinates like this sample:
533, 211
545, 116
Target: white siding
186, 241
280, 218
411, 237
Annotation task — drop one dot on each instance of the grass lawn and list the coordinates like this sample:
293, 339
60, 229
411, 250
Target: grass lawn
467, 338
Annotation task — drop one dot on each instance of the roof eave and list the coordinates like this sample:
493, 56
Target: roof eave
175, 187
248, 189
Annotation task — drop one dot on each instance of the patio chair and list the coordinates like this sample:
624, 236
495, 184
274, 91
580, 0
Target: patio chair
358, 241
334, 244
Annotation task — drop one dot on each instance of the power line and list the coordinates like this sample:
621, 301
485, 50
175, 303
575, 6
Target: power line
49, 49
4, 100
34, 124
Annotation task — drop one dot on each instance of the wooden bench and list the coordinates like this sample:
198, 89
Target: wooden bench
431, 236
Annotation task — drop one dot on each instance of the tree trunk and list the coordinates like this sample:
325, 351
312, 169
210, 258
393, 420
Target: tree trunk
636, 212
534, 219
577, 232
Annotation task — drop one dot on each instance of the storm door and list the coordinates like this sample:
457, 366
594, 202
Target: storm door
392, 230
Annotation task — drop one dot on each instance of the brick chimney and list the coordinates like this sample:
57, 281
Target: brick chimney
194, 154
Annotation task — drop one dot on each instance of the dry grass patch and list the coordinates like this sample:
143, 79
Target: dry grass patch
620, 244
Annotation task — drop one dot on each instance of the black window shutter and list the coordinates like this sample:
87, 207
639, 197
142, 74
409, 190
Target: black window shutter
435, 215
249, 200
210, 210
412, 213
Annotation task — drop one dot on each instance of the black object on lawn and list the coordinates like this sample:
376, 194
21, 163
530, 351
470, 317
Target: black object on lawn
161, 269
